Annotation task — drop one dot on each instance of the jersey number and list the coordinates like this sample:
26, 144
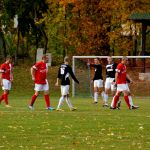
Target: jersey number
62, 71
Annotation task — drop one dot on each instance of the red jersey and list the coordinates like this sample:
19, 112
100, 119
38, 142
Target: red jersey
6, 70
121, 69
41, 72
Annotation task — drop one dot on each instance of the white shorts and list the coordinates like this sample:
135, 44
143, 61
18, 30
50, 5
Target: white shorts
6, 84
109, 84
42, 87
128, 88
98, 83
65, 89
122, 87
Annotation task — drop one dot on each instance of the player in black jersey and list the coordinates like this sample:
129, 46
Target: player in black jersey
110, 76
97, 79
63, 74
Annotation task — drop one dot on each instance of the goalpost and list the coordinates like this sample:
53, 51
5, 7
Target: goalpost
139, 68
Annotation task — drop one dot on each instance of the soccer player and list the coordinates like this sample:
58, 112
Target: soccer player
110, 77
63, 74
121, 78
98, 79
130, 99
39, 76
6, 78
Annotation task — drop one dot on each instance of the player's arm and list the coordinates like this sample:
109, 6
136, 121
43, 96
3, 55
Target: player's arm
11, 73
118, 70
116, 76
33, 70
58, 77
129, 78
1, 79
91, 65
1, 72
57, 82
72, 75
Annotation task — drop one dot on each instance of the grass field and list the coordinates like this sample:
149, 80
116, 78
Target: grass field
91, 127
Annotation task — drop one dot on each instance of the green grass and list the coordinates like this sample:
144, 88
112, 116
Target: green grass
91, 127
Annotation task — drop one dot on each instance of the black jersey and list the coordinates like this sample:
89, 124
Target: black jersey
63, 74
98, 72
111, 70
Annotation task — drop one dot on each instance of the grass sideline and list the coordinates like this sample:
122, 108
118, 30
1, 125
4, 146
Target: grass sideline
91, 127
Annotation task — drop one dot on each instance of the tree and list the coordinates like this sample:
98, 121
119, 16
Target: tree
30, 13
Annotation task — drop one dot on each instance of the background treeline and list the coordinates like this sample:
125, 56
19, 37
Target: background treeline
71, 27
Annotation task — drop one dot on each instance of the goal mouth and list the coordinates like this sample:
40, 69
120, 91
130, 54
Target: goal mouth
138, 68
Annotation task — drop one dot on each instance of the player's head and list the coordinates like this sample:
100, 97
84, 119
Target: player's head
124, 60
45, 58
8, 59
96, 60
109, 59
66, 59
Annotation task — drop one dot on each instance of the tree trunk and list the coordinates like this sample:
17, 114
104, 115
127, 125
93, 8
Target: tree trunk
17, 49
37, 46
46, 41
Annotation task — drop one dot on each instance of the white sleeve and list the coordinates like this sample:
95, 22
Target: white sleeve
2, 71
34, 67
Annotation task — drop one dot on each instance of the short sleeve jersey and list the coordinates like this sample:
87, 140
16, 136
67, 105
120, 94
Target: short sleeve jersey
111, 70
98, 72
6, 69
121, 69
41, 72
63, 74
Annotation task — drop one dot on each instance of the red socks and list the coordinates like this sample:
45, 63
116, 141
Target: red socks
47, 100
116, 99
127, 101
33, 99
1, 98
6, 98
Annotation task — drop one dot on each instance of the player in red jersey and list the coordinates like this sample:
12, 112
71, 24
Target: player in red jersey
121, 77
6, 78
39, 76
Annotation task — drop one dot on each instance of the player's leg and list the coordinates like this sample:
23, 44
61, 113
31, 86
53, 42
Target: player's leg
107, 88
6, 87
126, 98
6, 93
101, 90
113, 88
60, 103
1, 97
33, 98
37, 89
125, 90
115, 100
45, 88
62, 98
95, 92
47, 100
66, 91
131, 100
69, 103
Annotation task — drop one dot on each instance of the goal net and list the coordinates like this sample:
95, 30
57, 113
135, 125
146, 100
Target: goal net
138, 68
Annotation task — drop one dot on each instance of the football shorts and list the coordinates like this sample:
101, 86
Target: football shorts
98, 83
64, 89
41, 87
6, 84
122, 87
109, 84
